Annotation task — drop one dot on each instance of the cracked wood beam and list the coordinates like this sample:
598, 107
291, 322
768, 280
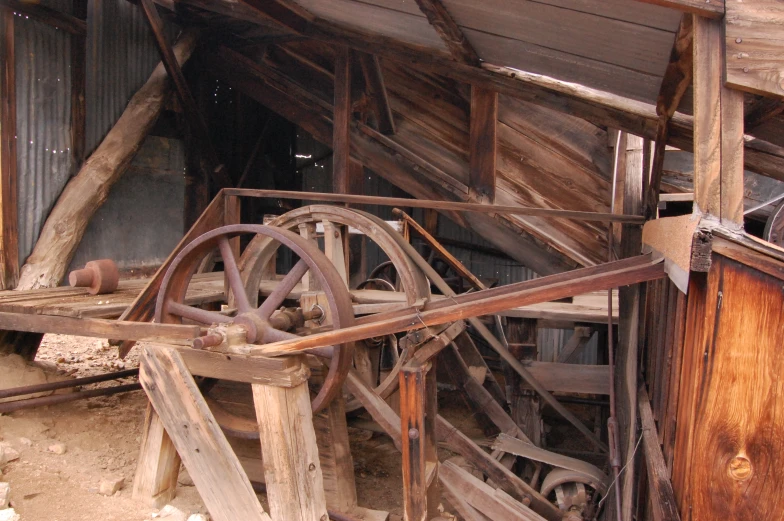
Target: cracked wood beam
209, 158
446, 27
675, 83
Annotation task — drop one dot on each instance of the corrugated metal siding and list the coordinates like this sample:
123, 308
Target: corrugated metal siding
121, 54
43, 104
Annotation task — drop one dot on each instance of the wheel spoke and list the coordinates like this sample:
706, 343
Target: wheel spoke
233, 275
197, 315
282, 290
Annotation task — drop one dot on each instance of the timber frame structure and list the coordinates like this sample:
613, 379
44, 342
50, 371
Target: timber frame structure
613, 147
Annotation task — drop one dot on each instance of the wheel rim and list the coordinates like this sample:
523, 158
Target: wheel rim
170, 307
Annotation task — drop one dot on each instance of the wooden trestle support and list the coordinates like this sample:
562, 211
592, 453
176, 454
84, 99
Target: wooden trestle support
279, 351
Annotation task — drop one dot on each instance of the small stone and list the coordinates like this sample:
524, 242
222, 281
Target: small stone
171, 513
5, 493
27, 442
109, 486
7, 453
9, 515
57, 448
197, 517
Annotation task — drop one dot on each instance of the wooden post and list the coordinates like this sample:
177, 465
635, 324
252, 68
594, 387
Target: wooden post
292, 470
418, 411
217, 473
341, 128
9, 237
482, 143
78, 83
155, 482
718, 130
525, 404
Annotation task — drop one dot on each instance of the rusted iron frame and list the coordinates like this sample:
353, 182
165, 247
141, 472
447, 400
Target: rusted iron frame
69, 397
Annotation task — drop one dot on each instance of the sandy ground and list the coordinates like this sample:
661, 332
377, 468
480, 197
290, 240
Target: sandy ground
102, 437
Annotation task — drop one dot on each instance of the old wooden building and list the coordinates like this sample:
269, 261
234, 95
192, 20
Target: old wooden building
323, 214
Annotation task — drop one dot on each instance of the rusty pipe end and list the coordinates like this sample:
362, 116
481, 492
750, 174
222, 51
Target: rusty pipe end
81, 278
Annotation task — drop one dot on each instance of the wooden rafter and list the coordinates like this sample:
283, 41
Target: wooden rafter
376, 91
483, 143
191, 110
676, 81
286, 13
458, 45
341, 127
704, 8
72, 24
598, 107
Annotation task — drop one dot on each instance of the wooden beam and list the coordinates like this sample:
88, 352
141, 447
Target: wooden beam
704, 8
286, 13
718, 130
754, 46
78, 86
483, 143
191, 110
660, 492
676, 81
341, 121
761, 111
9, 235
598, 107
158, 464
217, 473
377, 92
446, 27
74, 24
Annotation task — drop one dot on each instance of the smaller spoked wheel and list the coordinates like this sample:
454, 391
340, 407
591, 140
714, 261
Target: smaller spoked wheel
261, 323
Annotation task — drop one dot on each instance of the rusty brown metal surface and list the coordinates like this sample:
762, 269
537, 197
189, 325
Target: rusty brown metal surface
99, 277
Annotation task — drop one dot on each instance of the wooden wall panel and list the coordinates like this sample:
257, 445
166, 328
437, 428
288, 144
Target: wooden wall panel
729, 456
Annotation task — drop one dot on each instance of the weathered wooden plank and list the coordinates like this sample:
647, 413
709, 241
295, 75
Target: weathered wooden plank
292, 469
450, 33
660, 491
732, 191
158, 464
571, 378
377, 91
707, 116
755, 46
482, 143
9, 236
222, 484
341, 121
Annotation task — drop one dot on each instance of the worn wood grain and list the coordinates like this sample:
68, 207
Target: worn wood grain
158, 464
448, 30
482, 143
755, 46
706, 8
216, 471
732, 131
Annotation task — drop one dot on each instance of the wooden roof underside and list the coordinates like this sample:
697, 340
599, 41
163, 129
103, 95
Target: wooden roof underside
601, 61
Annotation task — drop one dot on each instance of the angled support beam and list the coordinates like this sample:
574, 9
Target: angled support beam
676, 81
718, 130
704, 8
286, 13
482, 143
461, 50
377, 91
191, 110
9, 237
69, 23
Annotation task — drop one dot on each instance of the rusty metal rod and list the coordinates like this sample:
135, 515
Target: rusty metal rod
63, 398
53, 386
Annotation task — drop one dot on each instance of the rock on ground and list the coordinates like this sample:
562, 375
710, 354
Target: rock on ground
16, 372
171, 513
197, 517
7, 453
5, 493
111, 485
9, 515
57, 448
